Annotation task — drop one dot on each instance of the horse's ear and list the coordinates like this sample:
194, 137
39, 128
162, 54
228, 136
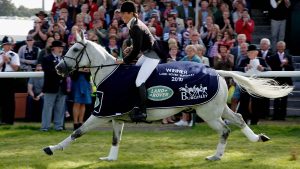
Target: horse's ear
83, 37
78, 37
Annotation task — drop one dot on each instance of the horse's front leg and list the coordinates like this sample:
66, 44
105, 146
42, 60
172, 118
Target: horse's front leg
117, 134
91, 123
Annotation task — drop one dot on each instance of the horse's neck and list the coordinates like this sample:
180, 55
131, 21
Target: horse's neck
100, 73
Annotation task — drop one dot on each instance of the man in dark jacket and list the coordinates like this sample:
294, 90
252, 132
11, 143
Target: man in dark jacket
281, 61
251, 107
54, 89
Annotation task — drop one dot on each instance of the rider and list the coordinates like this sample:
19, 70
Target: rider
142, 42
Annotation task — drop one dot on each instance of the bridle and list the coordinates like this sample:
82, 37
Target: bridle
78, 59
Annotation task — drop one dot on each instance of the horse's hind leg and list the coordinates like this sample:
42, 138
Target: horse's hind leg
224, 131
90, 124
117, 134
237, 119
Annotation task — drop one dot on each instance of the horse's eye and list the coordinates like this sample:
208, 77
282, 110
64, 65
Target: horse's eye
75, 49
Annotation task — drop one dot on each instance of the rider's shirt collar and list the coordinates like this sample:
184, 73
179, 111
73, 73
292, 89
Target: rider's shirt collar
130, 22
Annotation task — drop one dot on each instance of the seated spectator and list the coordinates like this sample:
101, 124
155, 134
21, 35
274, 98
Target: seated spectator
28, 55
112, 44
228, 38
223, 60
35, 97
190, 50
200, 50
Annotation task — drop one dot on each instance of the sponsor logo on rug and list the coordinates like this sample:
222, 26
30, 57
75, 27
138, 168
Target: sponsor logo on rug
192, 93
159, 93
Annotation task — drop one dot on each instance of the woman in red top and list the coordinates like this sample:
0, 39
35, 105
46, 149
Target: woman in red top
245, 25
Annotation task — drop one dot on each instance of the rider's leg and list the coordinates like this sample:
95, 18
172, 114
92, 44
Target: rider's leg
147, 67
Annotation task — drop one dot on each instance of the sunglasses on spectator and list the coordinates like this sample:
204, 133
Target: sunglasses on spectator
94, 40
37, 22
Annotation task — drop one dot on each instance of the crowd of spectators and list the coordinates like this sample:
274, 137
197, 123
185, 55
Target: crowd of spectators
217, 33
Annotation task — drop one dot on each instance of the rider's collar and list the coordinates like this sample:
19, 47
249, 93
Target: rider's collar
131, 21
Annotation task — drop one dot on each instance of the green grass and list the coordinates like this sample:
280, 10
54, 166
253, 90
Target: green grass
21, 148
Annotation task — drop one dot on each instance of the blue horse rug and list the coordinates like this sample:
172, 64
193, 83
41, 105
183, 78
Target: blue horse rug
174, 84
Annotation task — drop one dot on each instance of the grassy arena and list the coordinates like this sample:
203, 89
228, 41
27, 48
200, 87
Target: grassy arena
151, 146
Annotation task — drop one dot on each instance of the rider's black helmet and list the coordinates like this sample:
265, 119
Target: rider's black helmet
128, 6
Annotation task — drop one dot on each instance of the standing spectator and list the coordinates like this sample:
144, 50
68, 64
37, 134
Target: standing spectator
93, 7
238, 13
85, 15
54, 89
55, 10
46, 51
265, 51
39, 33
35, 97
74, 8
43, 17
225, 23
81, 91
203, 13
185, 11
245, 25
190, 51
249, 105
28, 55
279, 13
236, 50
281, 61
242, 55
9, 62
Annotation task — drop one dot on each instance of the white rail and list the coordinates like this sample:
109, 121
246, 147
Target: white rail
259, 74
21, 74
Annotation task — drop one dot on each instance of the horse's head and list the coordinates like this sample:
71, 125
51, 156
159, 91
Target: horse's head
75, 58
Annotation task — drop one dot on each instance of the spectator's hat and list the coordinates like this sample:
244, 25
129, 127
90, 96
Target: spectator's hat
224, 44
57, 43
252, 48
117, 10
29, 38
41, 13
128, 6
7, 40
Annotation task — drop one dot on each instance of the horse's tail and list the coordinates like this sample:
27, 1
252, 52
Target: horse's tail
263, 87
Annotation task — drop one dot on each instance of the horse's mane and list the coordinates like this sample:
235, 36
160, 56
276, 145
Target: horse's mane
101, 50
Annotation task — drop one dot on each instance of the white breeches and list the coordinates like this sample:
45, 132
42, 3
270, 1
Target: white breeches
147, 67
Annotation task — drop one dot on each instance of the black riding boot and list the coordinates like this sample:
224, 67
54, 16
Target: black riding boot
140, 115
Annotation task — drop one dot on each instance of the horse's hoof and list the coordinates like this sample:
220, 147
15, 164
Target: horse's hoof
263, 138
107, 159
213, 158
48, 151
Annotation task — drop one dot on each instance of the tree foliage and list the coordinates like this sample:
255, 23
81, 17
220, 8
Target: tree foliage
7, 8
